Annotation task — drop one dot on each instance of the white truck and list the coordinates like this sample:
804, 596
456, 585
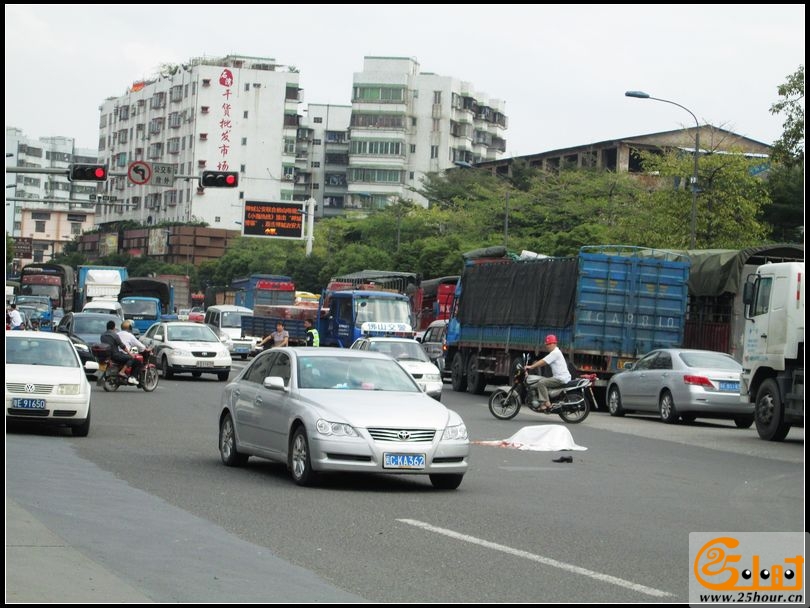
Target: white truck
773, 348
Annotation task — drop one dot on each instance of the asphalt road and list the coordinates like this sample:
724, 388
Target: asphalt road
145, 511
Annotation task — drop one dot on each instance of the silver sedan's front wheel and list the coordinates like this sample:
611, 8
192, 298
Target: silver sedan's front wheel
300, 464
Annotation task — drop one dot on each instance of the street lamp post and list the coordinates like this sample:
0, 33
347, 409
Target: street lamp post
693, 229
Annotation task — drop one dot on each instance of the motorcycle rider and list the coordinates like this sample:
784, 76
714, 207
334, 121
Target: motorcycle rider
560, 376
129, 340
119, 352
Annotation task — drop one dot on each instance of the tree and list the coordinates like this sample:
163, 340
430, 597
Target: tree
789, 148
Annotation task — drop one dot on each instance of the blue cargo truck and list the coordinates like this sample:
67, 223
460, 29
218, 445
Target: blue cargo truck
147, 301
607, 306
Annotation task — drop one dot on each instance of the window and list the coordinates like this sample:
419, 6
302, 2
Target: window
436, 125
316, 186
206, 82
316, 142
411, 175
247, 86
413, 148
244, 141
241, 168
204, 109
245, 114
413, 121
434, 151
437, 96
40, 215
317, 119
39, 226
316, 163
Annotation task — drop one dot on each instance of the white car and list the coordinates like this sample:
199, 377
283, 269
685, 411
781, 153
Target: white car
186, 347
409, 353
105, 306
46, 382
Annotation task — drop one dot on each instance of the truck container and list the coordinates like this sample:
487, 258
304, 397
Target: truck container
96, 281
181, 285
607, 306
263, 289
57, 281
773, 348
437, 300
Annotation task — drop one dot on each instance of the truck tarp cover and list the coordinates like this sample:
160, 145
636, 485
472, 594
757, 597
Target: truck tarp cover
714, 272
146, 288
532, 293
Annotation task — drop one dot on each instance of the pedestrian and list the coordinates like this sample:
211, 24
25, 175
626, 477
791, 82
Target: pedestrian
560, 375
313, 339
280, 337
14, 317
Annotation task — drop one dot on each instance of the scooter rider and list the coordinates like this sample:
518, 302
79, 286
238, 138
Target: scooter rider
559, 370
119, 352
129, 340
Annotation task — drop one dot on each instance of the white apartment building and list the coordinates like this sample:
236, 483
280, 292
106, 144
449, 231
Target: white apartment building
45, 210
234, 113
406, 123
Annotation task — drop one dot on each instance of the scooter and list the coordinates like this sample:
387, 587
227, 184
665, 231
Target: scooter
109, 371
569, 402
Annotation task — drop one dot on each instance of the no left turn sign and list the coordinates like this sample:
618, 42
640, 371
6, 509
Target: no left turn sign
139, 172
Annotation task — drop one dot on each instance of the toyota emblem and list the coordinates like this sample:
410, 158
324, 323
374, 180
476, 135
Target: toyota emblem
404, 435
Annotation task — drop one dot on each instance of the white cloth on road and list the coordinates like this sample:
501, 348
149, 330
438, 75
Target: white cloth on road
541, 438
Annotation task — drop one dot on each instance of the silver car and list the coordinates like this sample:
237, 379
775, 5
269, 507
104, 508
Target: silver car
335, 410
681, 383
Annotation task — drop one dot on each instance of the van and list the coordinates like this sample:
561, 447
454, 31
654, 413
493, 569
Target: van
105, 305
434, 344
226, 321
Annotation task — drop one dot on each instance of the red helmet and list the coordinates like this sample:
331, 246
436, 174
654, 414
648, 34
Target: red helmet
551, 339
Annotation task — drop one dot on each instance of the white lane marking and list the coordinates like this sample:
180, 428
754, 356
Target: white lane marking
605, 578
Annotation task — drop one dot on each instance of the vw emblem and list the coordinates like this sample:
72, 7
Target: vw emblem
404, 435
29, 388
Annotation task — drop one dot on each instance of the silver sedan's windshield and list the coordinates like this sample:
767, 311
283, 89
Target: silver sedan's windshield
353, 373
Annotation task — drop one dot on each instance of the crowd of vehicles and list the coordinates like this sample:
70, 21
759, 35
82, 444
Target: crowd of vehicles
618, 311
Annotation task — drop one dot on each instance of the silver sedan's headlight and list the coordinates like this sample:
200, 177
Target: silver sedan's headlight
67, 389
454, 433
338, 429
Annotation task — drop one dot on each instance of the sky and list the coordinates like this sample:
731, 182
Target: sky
562, 71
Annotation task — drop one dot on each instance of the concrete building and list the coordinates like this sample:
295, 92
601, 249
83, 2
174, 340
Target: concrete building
621, 155
406, 123
322, 158
44, 211
234, 113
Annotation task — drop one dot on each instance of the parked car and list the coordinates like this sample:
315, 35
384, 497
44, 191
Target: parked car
186, 347
84, 329
434, 343
334, 410
685, 383
408, 352
46, 381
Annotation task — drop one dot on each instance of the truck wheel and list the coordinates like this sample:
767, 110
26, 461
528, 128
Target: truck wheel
458, 377
476, 380
769, 413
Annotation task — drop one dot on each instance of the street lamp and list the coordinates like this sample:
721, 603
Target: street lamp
693, 230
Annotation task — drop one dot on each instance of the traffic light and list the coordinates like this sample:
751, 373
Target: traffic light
219, 179
87, 173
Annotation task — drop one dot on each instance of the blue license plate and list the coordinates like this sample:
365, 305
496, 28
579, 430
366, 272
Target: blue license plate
28, 404
241, 349
730, 386
404, 461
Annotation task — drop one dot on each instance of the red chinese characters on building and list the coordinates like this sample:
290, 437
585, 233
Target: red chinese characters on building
225, 124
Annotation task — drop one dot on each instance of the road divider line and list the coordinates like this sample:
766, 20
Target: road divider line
605, 578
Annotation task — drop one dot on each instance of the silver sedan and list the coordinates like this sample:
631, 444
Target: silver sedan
681, 383
330, 410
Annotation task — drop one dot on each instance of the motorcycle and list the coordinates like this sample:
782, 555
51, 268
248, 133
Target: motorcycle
109, 370
569, 402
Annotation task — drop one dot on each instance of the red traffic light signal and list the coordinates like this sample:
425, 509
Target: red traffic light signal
219, 179
87, 173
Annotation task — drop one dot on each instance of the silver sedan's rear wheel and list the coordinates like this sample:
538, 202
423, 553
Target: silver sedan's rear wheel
446, 481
